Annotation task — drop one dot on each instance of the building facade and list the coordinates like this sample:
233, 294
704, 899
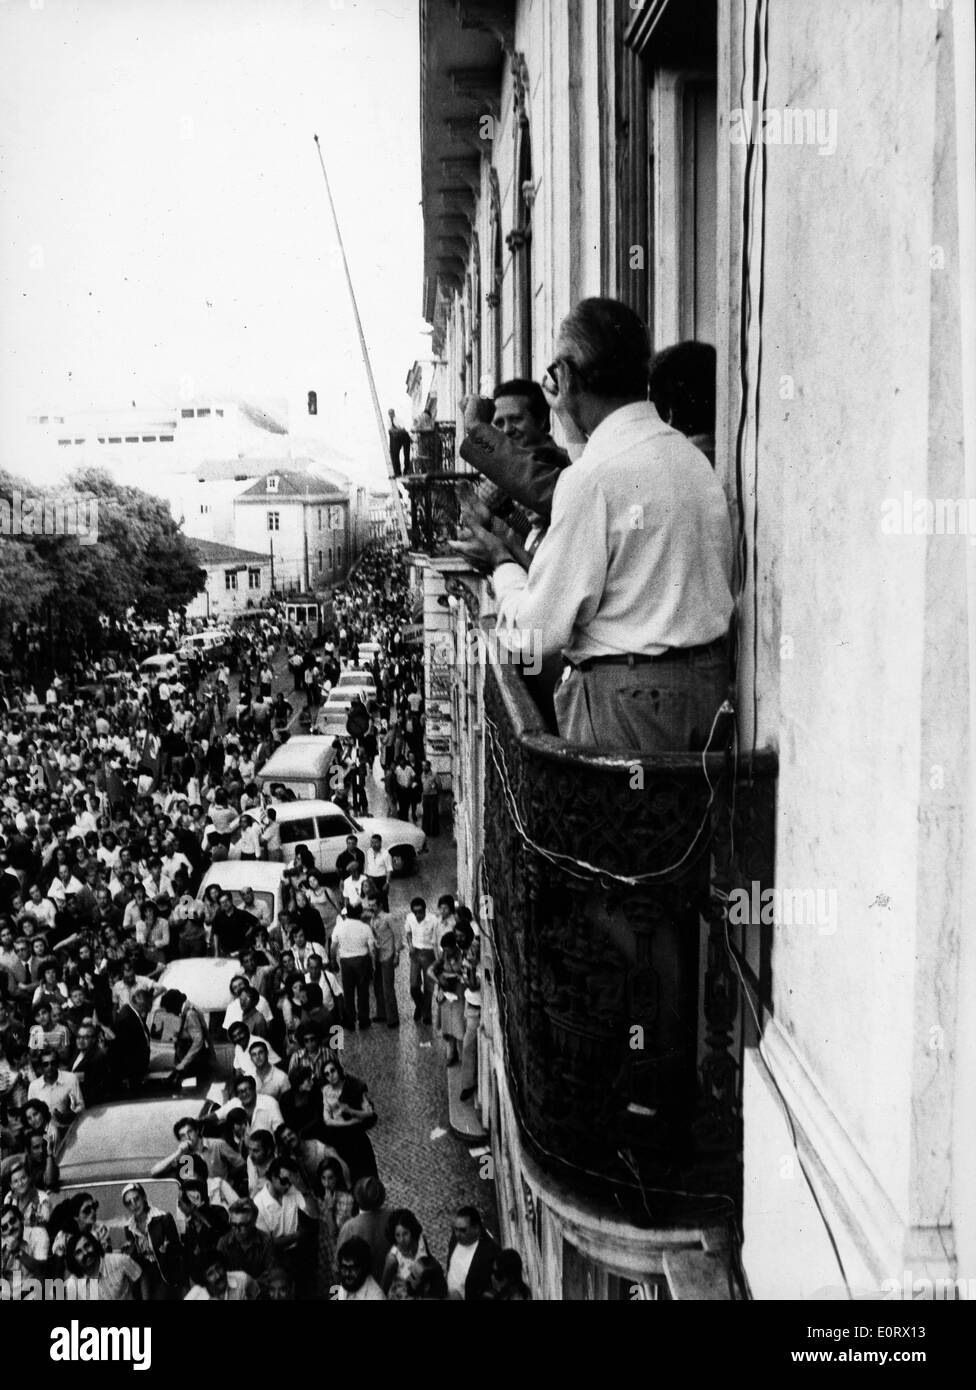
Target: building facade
305, 522
736, 175
236, 580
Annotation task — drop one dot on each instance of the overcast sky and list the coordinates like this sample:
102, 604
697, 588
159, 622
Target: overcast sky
163, 217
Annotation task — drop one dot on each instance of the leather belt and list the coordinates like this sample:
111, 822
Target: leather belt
645, 659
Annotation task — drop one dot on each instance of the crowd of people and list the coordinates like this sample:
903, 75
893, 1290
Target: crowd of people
118, 794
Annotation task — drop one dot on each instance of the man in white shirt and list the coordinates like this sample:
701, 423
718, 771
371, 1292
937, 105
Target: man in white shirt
261, 1112
632, 582
59, 1090
218, 1284
354, 948
353, 886
279, 1204
421, 929
356, 1283
379, 870
271, 1080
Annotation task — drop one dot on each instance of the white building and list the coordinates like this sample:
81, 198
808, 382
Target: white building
308, 524
236, 580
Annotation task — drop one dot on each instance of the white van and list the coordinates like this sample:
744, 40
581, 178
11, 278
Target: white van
322, 827
208, 647
163, 667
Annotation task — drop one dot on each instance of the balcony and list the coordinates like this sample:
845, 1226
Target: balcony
619, 1037
431, 487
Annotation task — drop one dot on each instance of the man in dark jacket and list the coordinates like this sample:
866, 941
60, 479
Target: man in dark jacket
130, 1050
470, 1256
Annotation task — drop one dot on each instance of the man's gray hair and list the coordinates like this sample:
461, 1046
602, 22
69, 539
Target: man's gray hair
613, 348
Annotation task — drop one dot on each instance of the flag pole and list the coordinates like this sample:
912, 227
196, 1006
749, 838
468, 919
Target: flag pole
384, 441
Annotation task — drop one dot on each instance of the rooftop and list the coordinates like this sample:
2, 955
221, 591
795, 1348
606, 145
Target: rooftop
307, 487
213, 553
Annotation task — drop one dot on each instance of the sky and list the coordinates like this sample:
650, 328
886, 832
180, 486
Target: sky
164, 226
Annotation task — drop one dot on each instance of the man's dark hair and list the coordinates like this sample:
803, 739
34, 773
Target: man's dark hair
613, 347
471, 1214
172, 1001
682, 385
356, 1251
531, 392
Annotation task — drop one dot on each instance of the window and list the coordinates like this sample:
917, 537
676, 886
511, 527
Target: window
132, 439
204, 508
186, 414
68, 441
230, 579
332, 827
42, 420
254, 577
294, 832
149, 439
112, 439
320, 524
219, 411
79, 441
271, 483
331, 565
320, 559
202, 414
338, 557
274, 521
165, 439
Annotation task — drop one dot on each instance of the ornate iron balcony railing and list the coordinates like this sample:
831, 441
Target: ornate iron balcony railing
600, 871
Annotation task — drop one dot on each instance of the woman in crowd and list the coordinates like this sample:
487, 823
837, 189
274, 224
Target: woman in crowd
408, 1244
348, 1113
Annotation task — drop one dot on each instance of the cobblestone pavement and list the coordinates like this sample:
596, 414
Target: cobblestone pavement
423, 1166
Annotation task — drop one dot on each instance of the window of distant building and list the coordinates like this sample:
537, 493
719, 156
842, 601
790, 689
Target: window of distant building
331, 565
254, 577
320, 524
186, 414
115, 439
149, 439
230, 579
68, 441
274, 521
42, 420
320, 560
165, 439
219, 411
204, 508
79, 441
202, 414
338, 557
132, 439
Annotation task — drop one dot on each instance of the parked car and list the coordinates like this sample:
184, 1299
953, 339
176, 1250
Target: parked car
166, 666
111, 1145
205, 980
301, 766
356, 681
208, 647
233, 876
322, 827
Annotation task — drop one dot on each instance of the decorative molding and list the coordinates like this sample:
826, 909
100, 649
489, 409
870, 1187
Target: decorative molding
520, 76
477, 85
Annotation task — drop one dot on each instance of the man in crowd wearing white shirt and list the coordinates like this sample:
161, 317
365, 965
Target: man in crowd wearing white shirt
356, 1283
59, 1090
353, 886
379, 870
633, 581
270, 1080
421, 929
354, 948
213, 1282
261, 1112
279, 1205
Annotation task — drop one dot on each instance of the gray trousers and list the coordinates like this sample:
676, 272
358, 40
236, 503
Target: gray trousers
658, 707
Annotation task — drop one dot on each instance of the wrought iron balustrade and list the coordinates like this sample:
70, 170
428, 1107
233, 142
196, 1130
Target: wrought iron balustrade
600, 871
435, 510
434, 450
